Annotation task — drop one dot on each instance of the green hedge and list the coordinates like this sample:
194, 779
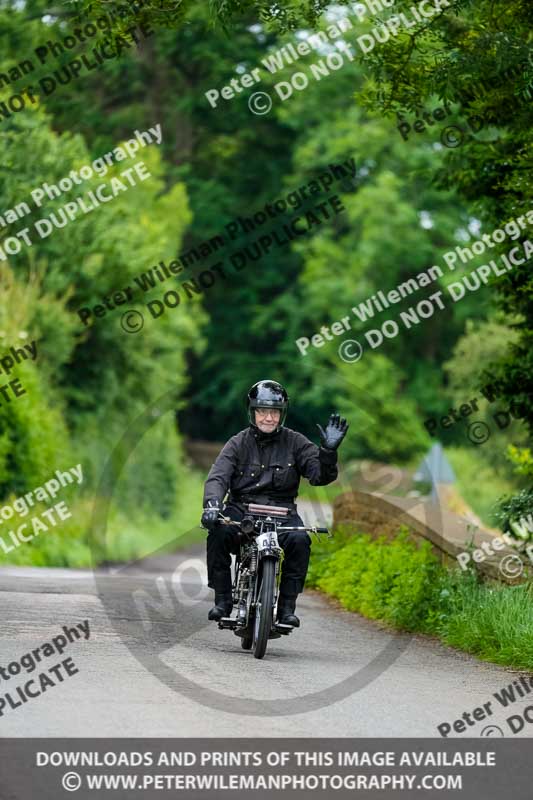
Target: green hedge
130, 535
404, 584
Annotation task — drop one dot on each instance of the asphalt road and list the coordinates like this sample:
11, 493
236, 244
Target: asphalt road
338, 675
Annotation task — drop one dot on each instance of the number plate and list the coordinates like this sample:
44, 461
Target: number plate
266, 541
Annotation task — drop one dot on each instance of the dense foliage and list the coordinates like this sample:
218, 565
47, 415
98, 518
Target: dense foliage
409, 203
403, 583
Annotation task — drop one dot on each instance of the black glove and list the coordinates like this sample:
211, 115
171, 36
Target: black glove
210, 515
335, 432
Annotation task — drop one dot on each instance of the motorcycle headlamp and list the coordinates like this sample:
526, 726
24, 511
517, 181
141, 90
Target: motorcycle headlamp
247, 525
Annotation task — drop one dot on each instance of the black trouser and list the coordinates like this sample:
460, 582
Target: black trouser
223, 540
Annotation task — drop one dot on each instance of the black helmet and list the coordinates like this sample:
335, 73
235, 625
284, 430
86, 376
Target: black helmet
268, 394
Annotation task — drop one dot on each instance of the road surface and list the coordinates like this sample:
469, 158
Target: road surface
184, 677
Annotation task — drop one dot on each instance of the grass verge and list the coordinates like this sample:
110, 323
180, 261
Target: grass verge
404, 584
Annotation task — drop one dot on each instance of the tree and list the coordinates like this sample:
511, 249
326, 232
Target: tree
90, 380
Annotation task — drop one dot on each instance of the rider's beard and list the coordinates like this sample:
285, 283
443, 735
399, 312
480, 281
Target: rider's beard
264, 428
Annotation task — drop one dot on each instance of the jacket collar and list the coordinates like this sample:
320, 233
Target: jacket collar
264, 438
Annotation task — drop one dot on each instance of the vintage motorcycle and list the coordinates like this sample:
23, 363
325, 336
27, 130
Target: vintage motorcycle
255, 585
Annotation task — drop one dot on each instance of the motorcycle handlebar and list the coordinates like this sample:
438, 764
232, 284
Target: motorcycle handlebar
227, 520
309, 528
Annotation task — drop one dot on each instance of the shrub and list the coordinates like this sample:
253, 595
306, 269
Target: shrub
513, 514
403, 583
391, 580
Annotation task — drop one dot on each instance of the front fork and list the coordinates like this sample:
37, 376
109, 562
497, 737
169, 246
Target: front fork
273, 550
246, 593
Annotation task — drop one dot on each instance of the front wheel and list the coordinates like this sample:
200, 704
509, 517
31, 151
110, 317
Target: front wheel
264, 607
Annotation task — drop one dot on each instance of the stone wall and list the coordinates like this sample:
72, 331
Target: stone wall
449, 534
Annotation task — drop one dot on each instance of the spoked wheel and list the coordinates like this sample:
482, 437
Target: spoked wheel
264, 608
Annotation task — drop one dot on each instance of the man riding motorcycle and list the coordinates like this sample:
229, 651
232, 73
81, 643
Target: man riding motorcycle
263, 464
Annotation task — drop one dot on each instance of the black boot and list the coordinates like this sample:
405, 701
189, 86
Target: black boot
223, 606
286, 607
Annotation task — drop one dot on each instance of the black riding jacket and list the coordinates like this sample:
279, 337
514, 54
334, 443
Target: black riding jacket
267, 469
